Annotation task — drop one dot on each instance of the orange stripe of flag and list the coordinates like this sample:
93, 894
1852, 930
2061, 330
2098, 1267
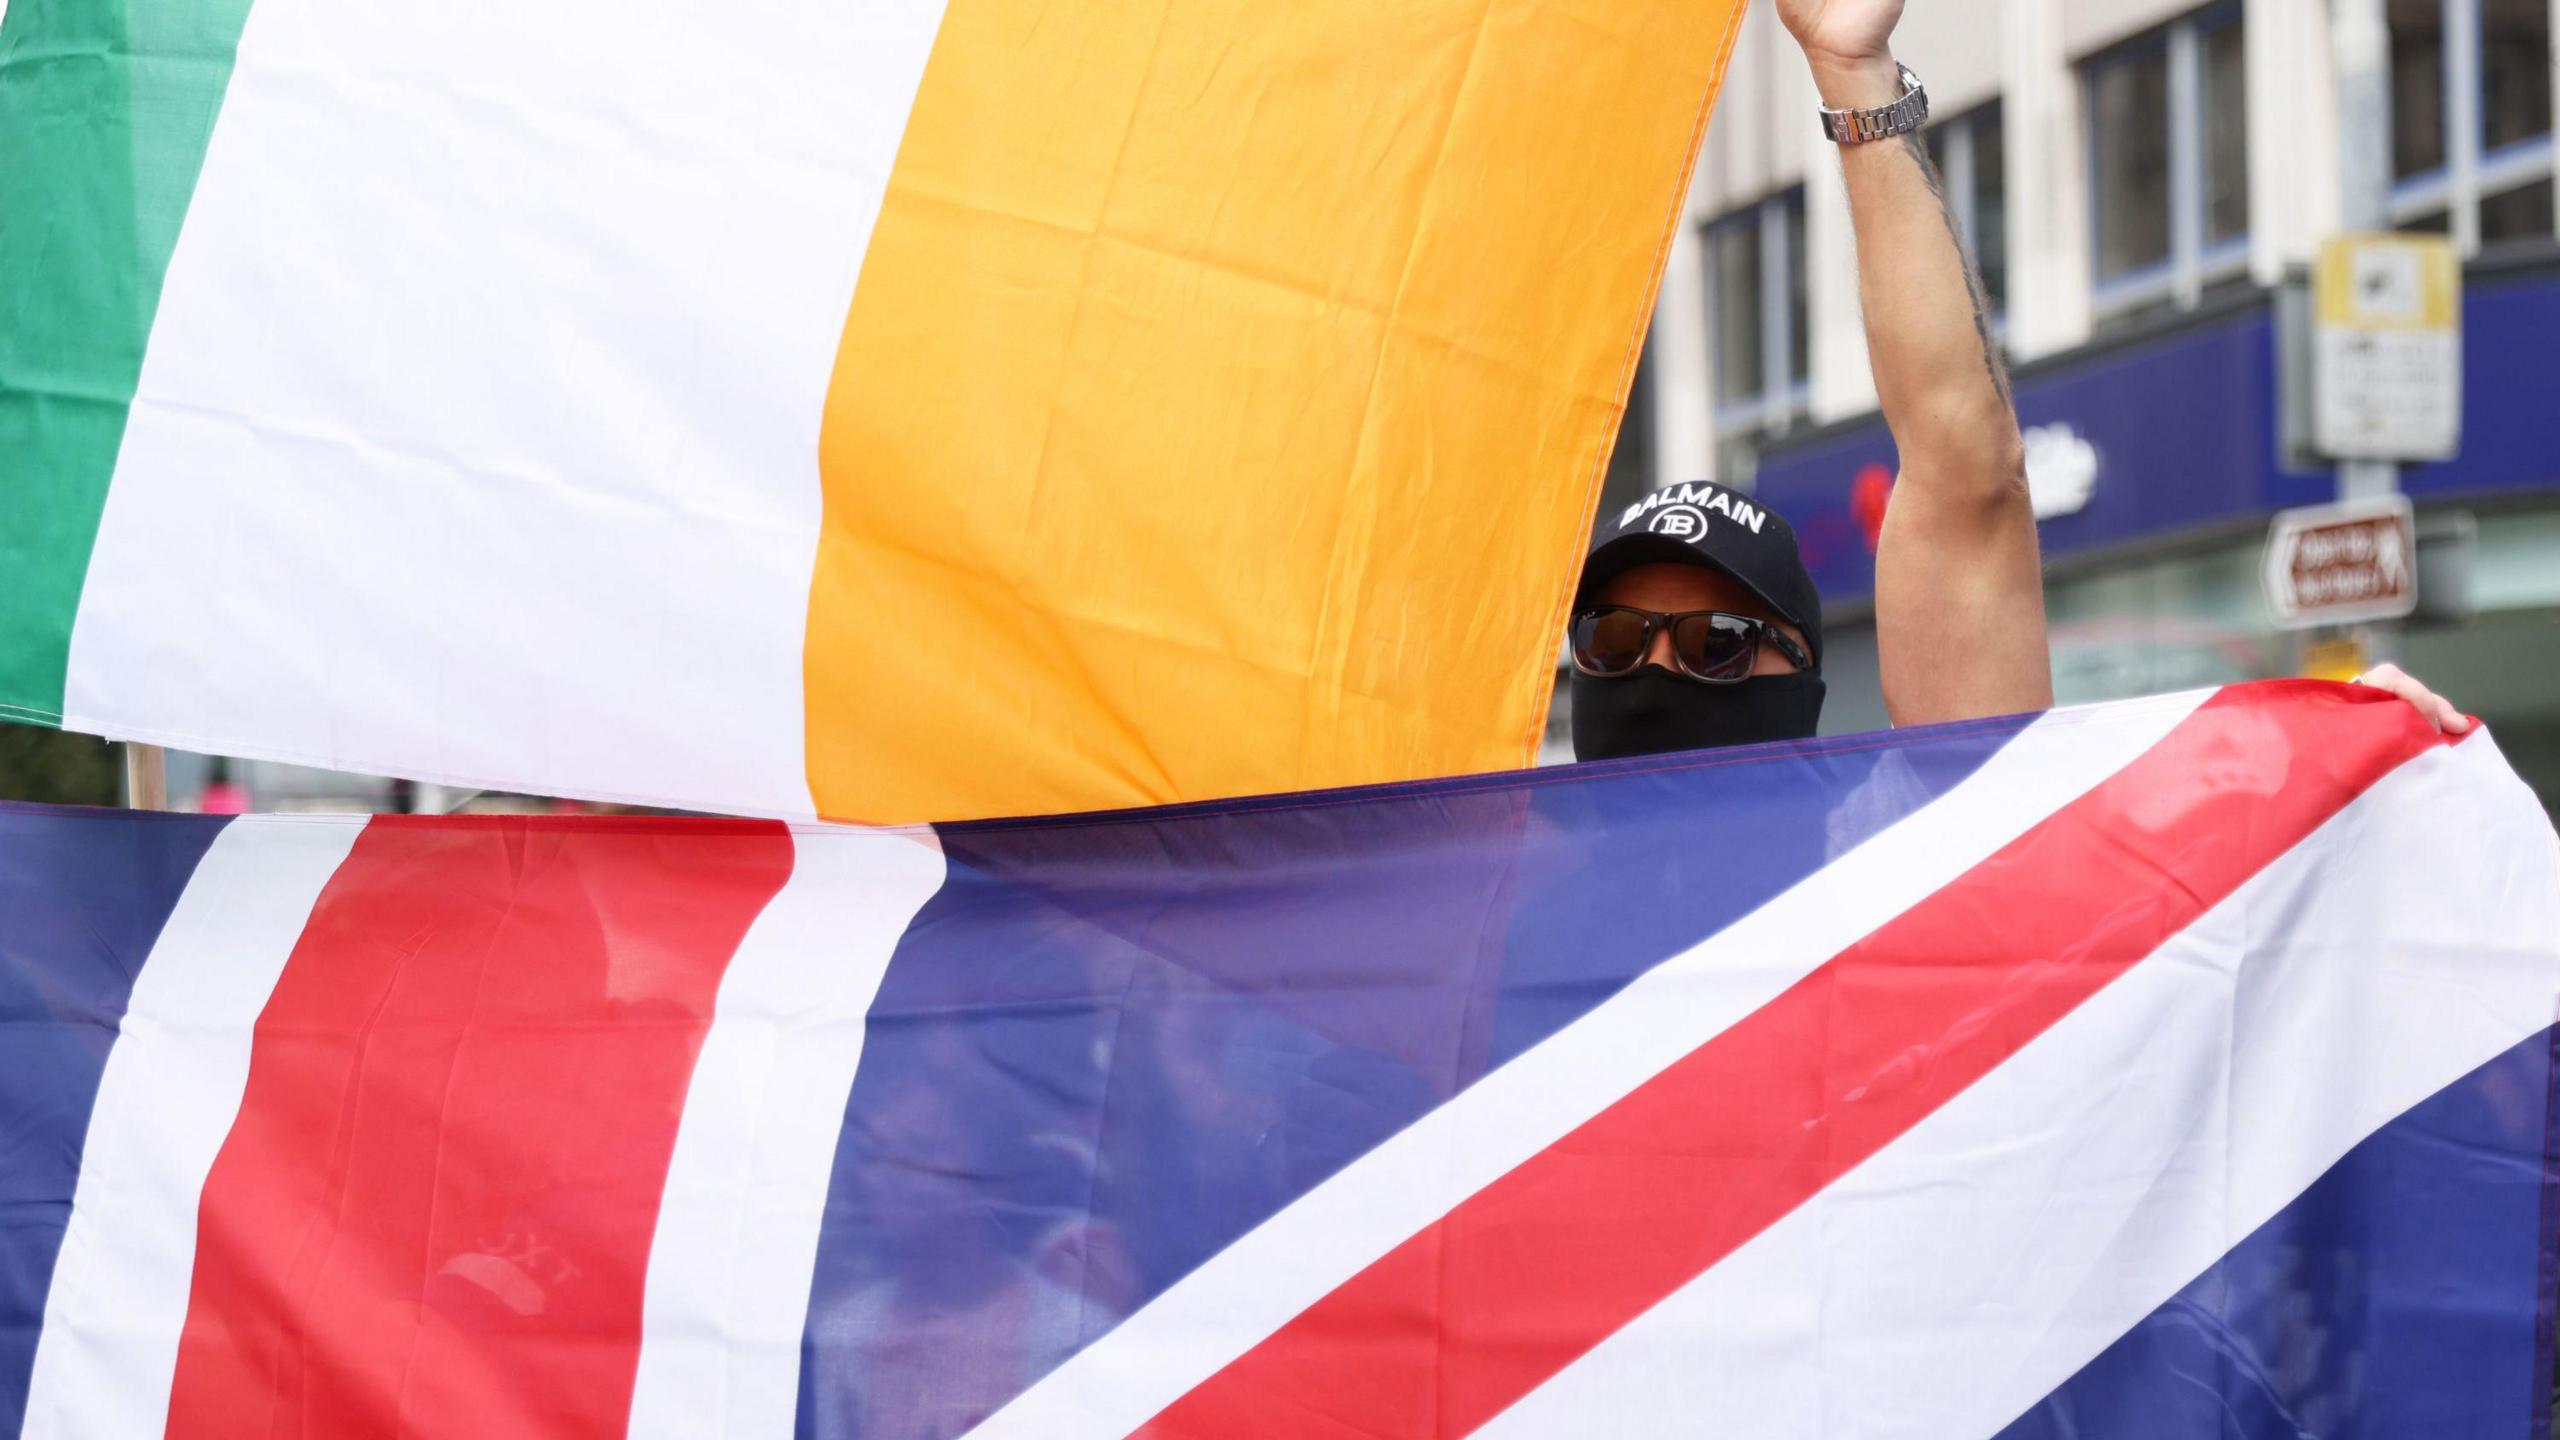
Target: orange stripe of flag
1226, 391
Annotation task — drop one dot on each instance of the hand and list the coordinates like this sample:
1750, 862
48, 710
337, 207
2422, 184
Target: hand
1847, 44
2438, 711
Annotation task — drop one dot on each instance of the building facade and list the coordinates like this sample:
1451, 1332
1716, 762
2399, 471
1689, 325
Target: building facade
2140, 178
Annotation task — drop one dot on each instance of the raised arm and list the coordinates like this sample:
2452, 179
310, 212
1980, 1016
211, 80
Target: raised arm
1959, 590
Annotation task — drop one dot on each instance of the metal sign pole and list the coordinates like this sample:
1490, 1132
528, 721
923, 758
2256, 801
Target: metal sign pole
2360, 37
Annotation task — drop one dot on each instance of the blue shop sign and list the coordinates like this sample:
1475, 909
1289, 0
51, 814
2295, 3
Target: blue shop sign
2179, 434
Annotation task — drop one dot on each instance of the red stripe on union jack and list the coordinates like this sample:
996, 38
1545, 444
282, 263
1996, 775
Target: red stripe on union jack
1464, 1318
434, 1212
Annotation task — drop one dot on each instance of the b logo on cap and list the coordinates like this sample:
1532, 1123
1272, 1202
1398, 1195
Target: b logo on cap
1680, 522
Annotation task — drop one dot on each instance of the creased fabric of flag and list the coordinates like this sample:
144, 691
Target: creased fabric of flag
907, 411
2175, 1068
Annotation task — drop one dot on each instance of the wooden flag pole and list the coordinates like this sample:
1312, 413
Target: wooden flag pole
146, 777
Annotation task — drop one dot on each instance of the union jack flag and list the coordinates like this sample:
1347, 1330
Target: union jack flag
2180, 1067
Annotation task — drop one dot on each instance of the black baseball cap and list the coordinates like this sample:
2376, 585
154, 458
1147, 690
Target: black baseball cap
1698, 523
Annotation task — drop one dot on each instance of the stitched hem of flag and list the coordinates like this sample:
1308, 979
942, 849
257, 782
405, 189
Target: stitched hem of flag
1292, 799
360, 765
1850, 744
1542, 681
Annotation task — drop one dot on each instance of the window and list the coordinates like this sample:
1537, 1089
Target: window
2226, 135
2128, 122
1734, 296
2515, 72
2417, 88
1798, 307
2168, 116
1967, 150
2471, 149
2523, 213
1757, 314
1631, 460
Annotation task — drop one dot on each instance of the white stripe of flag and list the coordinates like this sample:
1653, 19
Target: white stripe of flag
737, 1234
478, 191
1242, 1295
1980, 1260
166, 1100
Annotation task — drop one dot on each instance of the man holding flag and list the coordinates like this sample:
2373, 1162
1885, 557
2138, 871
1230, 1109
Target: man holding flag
1695, 622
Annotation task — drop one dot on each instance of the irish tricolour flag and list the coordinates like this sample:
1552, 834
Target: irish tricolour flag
876, 410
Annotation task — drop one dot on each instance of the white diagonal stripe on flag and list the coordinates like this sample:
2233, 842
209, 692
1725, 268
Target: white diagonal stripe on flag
737, 1232
166, 1100
1246, 1292
2074, 1189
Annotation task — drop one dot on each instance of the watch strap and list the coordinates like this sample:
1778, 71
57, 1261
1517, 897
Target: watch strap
1904, 115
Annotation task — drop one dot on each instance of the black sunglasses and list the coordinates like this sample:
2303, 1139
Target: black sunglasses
1708, 645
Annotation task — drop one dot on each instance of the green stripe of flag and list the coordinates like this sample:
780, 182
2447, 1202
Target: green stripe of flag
105, 110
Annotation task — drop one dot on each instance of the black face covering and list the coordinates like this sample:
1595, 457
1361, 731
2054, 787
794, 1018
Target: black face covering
1654, 710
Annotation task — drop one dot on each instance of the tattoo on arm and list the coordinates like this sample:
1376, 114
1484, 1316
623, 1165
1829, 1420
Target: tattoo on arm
1964, 258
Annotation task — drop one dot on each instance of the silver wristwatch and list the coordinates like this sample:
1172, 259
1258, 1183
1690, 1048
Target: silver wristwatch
1856, 127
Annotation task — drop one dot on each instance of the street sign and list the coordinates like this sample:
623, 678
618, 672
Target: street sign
2342, 564
2387, 348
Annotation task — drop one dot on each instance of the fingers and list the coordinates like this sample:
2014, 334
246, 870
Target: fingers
2439, 712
